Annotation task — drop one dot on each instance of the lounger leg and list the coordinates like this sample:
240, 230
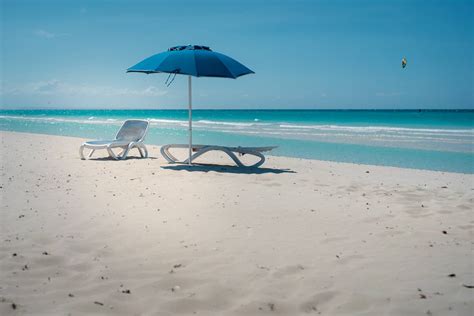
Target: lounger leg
210, 148
261, 156
111, 153
253, 153
233, 157
124, 153
165, 151
167, 155
81, 152
90, 154
143, 151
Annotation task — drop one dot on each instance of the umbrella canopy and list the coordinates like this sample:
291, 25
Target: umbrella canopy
192, 60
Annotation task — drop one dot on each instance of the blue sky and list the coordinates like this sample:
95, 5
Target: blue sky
306, 54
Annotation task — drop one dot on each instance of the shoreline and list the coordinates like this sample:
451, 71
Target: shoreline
294, 237
158, 156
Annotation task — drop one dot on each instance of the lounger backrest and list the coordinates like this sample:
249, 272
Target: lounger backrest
132, 130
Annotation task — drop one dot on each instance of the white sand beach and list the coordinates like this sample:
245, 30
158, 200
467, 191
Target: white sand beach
295, 237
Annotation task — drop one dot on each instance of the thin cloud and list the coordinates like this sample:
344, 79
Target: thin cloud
48, 35
45, 34
56, 87
388, 94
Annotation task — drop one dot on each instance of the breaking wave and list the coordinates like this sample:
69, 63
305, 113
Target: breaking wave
430, 138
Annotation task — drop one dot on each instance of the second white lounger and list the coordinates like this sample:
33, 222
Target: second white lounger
201, 149
131, 135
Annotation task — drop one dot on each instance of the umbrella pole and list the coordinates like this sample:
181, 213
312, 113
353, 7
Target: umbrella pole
190, 128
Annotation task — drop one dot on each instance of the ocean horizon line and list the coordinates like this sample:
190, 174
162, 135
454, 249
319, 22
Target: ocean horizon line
243, 109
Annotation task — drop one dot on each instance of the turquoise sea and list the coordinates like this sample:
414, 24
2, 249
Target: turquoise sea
426, 139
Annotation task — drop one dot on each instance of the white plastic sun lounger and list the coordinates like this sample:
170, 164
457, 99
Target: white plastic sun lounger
130, 135
230, 151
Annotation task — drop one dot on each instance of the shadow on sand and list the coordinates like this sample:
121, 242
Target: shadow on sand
225, 169
112, 159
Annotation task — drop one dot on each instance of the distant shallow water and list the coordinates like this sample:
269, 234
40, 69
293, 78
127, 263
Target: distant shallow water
434, 140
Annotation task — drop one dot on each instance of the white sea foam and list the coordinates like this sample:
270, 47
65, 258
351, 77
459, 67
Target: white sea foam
152, 120
53, 120
375, 128
338, 133
239, 124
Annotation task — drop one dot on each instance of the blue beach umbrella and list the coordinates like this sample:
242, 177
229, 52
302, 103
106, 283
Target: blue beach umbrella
191, 60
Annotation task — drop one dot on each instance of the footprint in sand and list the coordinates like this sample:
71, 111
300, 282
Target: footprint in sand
273, 184
390, 231
418, 212
317, 302
464, 206
445, 212
288, 270
356, 304
422, 215
48, 260
348, 259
